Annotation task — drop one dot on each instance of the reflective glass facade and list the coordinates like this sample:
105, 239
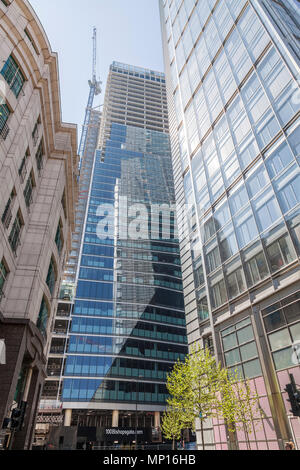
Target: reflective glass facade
128, 322
234, 103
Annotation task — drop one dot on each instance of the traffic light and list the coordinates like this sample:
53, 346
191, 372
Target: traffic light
294, 396
15, 418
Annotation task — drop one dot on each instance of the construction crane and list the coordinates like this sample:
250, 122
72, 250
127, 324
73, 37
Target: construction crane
95, 89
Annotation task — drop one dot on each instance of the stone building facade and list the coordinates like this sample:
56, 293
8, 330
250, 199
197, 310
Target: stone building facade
38, 191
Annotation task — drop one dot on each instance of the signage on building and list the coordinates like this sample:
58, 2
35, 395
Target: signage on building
125, 434
2, 352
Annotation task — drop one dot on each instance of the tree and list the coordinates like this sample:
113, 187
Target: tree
172, 425
195, 388
201, 389
242, 409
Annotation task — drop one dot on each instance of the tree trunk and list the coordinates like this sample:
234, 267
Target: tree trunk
202, 435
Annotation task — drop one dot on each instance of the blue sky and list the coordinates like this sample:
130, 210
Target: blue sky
128, 31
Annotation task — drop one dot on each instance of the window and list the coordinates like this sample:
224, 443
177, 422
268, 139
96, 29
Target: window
246, 229
235, 279
59, 241
4, 115
43, 317
51, 276
257, 180
280, 252
277, 160
28, 190
7, 215
212, 256
282, 326
3, 276
13, 75
35, 132
288, 189
202, 305
256, 268
266, 209
240, 350
15, 234
218, 290
39, 157
23, 167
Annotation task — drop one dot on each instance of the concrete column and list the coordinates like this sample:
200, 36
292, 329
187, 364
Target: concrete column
27, 386
115, 419
68, 418
157, 419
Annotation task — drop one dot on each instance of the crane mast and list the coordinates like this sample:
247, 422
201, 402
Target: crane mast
95, 89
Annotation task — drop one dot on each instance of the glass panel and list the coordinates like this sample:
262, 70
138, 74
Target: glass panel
246, 334
295, 332
248, 351
274, 321
229, 341
232, 357
283, 359
280, 339
252, 369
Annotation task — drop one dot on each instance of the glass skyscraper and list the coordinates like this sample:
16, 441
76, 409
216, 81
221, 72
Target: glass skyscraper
232, 72
128, 322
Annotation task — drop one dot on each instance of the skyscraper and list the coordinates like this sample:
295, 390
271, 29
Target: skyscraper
128, 323
232, 72
38, 192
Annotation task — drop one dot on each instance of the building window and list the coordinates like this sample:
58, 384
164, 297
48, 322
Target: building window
4, 115
51, 276
15, 234
59, 238
28, 190
64, 204
39, 157
23, 167
7, 215
3, 276
240, 350
31, 41
281, 252
202, 305
43, 317
282, 326
35, 132
13, 75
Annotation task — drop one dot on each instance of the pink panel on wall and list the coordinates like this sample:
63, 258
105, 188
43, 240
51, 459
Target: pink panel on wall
273, 445
252, 385
262, 446
215, 421
218, 447
217, 434
295, 423
224, 447
286, 402
283, 378
260, 386
296, 373
241, 435
253, 446
223, 437
265, 406
243, 446
259, 432
269, 429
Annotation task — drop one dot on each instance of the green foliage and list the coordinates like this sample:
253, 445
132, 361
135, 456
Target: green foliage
200, 388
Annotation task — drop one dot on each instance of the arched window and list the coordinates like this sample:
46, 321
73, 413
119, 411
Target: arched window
43, 317
51, 276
